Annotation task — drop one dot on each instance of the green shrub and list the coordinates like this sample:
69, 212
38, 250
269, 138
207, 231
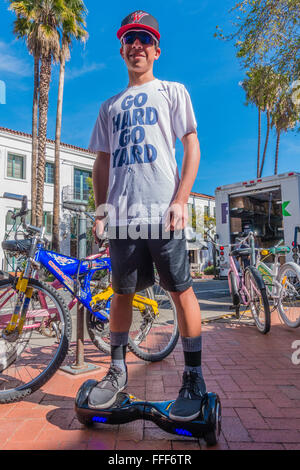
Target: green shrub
209, 270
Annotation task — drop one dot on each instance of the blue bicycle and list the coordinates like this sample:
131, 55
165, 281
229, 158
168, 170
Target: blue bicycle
35, 321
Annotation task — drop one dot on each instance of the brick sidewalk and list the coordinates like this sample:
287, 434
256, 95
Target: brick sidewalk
253, 374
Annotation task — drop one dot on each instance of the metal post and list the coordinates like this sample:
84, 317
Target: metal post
81, 235
252, 245
79, 367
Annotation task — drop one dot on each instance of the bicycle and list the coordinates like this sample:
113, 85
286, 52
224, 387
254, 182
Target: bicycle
282, 283
35, 323
247, 286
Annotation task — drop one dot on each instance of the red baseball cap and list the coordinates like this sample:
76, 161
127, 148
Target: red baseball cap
139, 20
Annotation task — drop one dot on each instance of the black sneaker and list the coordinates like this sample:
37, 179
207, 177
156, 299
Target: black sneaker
188, 404
104, 394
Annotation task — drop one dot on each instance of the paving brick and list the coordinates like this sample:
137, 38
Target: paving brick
251, 418
253, 374
144, 445
283, 423
279, 436
186, 445
267, 408
234, 430
255, 446
28, 430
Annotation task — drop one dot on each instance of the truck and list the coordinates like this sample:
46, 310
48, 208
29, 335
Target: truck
268, 206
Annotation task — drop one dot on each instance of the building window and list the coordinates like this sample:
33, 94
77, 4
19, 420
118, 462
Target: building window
15, 166
49, 173
81, 188
206, 211
48, 221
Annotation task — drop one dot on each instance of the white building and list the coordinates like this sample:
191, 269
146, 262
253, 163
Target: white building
76, 167
15, 177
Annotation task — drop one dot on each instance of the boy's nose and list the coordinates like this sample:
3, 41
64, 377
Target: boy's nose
137, 43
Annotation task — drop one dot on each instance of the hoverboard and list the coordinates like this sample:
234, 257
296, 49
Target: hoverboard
127, 408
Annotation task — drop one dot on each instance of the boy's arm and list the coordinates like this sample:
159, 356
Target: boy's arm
100, 178
178, 217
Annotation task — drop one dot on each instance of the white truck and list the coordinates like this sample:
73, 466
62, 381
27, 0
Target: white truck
268, 206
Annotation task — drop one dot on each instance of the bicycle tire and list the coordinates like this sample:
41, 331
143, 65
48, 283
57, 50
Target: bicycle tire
234, 289
286, 293
33, 357
162, 335
98, 330
258, 301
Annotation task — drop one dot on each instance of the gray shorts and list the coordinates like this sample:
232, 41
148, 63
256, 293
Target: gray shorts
132, 260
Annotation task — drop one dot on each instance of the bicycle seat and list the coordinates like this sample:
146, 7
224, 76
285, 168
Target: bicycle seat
20, 246
241, 252
279, 250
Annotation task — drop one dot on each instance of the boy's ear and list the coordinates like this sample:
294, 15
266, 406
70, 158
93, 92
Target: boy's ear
121, 52
157, 53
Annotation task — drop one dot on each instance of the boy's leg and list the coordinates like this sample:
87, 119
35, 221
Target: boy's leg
104, 394
171, 258
187, 405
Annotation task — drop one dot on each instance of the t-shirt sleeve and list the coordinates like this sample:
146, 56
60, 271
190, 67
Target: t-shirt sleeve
183, 117
99, 141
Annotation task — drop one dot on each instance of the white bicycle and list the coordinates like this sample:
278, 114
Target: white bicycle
282, 283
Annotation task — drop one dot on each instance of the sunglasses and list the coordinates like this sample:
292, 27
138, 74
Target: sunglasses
142, 36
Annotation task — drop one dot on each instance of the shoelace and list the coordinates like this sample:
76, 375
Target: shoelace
112, 376
189, 385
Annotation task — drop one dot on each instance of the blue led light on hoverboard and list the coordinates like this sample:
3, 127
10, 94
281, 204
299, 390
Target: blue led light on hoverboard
183, 432
99, 419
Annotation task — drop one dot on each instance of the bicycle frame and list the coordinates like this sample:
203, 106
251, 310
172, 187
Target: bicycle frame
65, 268
242, 290
270, 277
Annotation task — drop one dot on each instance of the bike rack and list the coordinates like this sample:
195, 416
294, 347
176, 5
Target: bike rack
80, 367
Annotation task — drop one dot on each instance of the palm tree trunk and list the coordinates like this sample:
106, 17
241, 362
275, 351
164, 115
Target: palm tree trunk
45, 76
259, 138
266, 143
56, 193
34, 139
277, 152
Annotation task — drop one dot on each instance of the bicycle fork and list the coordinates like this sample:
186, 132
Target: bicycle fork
15, 326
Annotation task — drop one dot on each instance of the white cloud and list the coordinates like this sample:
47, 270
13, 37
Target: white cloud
78, 72
11, 64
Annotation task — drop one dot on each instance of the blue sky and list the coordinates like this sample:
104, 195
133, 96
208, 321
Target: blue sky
227, 129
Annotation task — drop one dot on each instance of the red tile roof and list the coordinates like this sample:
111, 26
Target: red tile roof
24, 134
206, 196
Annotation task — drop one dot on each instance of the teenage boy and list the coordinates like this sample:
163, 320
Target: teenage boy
134, 137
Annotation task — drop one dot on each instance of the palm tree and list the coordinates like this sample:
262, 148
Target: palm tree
262, 88
72, 27
41, 20
253, 91
284, 117
22, 30
271, 88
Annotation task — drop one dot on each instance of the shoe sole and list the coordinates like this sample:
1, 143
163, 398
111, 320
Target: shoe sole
108, 403
184, 418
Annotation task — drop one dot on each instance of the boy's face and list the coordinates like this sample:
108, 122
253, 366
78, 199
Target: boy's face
139, 57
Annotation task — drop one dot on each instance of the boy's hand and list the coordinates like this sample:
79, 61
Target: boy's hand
177, 216
98, 228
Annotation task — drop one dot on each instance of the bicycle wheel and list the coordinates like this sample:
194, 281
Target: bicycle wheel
289, 296
153, 335
258, 300
29, 360
98, 329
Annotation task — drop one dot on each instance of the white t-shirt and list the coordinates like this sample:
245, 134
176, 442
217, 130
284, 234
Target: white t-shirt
139, 127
